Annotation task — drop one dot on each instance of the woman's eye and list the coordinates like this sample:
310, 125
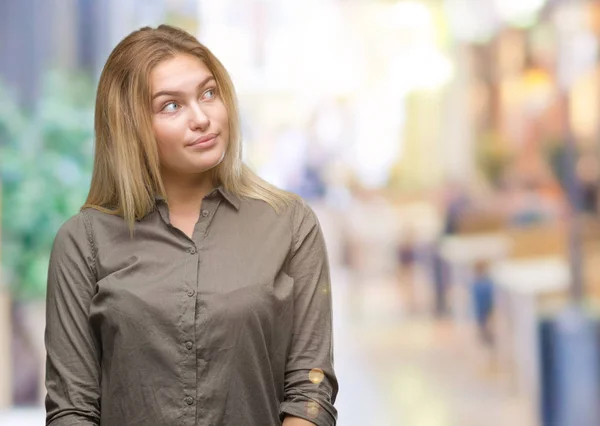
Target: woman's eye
167, 108
210, 93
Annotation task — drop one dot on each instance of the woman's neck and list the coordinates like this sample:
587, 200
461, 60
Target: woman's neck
185, 195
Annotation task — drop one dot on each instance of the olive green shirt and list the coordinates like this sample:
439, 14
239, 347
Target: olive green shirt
230, 328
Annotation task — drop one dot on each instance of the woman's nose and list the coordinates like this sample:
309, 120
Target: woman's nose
199, 118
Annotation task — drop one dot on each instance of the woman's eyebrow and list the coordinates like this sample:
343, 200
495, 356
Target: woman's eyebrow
178, 92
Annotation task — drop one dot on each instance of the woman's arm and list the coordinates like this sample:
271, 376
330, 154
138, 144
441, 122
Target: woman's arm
310, 383
296, 421
72, 354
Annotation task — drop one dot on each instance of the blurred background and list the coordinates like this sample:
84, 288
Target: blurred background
449, 147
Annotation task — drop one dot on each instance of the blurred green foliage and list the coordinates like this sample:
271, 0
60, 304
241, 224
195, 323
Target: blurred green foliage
46, 160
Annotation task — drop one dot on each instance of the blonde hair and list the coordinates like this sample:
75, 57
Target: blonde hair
126, 175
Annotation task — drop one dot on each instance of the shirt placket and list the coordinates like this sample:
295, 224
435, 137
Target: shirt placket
188, 342
188, 326
209, 208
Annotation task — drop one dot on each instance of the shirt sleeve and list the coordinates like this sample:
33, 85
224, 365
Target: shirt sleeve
310, 382
72, 353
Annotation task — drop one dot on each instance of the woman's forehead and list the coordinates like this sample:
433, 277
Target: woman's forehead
179, 73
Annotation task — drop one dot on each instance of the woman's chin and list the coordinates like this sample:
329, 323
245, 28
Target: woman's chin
205, 166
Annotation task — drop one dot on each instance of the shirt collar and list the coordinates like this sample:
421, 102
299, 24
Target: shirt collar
230, 197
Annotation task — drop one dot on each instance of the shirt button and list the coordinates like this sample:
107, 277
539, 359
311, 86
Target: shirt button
192, 250
204, 213
189, 400
189, 345
190, 293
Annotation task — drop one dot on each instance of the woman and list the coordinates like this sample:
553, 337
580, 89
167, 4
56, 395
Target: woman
187, 291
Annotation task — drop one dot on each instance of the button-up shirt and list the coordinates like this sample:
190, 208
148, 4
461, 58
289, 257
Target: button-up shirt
231, 327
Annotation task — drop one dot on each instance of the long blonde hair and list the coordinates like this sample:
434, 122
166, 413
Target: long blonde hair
126, 176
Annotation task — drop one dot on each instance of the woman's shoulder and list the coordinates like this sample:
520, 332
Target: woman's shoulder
87, 223
297, 213
74, 232
72, 226
98, 217
287, 205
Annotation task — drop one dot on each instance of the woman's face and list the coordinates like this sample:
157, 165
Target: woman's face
189, 118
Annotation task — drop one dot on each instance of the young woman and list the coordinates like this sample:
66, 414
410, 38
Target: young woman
187, 291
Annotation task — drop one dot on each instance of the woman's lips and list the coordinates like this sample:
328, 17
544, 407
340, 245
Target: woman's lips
204, 142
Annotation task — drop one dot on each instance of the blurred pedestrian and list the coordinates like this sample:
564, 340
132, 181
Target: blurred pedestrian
483, 301
406, 253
